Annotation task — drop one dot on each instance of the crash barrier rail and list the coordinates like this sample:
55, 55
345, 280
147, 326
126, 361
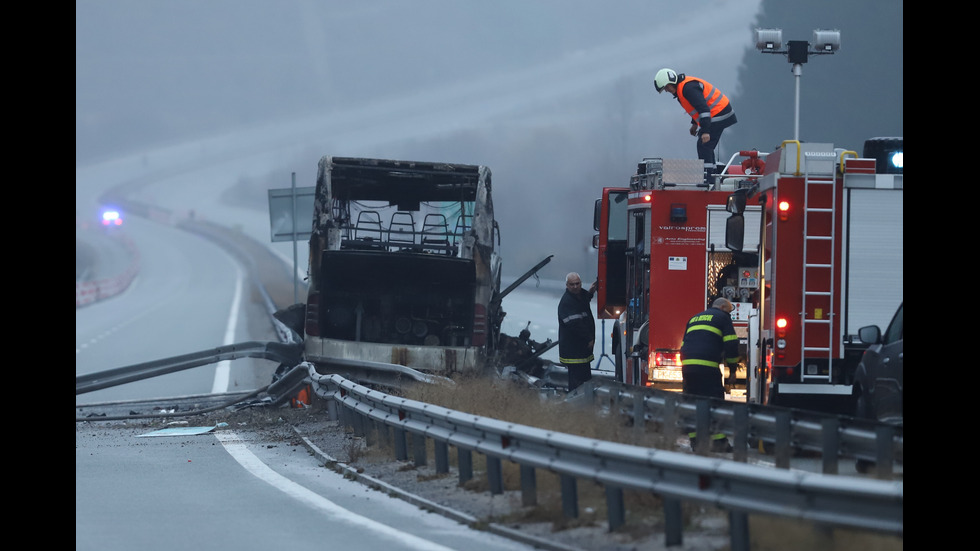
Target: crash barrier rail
741, 489
88, 292
288, 354
368, 372
786, 430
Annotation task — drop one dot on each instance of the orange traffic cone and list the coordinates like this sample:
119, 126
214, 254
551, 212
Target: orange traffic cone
302, 398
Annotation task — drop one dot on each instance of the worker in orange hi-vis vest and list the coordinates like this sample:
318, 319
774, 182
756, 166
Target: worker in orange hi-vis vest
710, 110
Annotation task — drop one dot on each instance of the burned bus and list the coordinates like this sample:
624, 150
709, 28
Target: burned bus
404, 267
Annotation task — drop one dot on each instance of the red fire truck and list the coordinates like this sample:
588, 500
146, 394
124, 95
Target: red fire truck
806, 242
662, 259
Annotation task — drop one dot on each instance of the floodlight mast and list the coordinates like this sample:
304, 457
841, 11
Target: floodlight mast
770, 41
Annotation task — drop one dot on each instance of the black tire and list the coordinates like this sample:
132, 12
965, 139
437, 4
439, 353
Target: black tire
862, 409
772, 396
864, 466
617, 351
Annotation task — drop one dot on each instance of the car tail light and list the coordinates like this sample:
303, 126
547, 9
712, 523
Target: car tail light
665, 359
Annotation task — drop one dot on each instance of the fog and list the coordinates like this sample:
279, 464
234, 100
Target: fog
555, 96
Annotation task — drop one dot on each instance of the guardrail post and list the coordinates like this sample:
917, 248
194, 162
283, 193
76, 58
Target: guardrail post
358, 422
702, 427
401, 448
418, 450
740, 438
529, 486
442, 456
384, 434
332, 410
370, 431
885, 435
670, 421
616, 512
495, 475
346, 419
673, 522
738, 528
831, 445
783, 439
465, 458
569, 496
639, 417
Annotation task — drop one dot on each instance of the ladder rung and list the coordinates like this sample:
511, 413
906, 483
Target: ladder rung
828, 323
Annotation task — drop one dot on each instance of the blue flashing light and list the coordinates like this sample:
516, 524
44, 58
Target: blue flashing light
111, 218
896, 159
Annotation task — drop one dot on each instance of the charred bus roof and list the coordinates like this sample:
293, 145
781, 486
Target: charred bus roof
356, 179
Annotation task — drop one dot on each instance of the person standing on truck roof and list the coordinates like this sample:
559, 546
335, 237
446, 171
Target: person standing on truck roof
710, 110
709, 340
576, 331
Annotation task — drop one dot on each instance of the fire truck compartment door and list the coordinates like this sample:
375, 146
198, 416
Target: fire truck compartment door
717, 216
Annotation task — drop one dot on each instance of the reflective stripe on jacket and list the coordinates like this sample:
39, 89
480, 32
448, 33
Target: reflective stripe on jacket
710, 339
715, 100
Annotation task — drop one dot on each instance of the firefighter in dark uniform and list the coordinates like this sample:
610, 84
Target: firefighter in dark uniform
709, 340
576, 331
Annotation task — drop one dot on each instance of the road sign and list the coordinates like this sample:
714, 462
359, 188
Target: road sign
291, 219
291, 213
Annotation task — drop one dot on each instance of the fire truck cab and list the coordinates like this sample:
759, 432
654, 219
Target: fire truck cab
662, 259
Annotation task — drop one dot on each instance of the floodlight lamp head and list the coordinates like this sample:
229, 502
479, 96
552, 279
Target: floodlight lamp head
768, 40
826, 41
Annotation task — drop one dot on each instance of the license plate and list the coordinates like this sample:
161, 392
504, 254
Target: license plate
660, 374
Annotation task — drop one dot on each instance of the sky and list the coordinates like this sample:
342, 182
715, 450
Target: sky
555, 96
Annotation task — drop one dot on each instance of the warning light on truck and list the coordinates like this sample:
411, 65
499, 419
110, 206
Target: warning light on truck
783, 208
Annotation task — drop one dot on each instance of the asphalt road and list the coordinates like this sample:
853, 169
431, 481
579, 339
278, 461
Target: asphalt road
237, 487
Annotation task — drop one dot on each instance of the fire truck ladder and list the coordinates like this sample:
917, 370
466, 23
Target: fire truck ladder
814, 186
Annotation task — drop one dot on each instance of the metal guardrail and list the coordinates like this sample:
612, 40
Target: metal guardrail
786, 430
379, 373
739, 488
289, 354
89, 291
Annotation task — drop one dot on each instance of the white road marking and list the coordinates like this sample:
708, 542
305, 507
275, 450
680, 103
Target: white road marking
237, 449
222, 371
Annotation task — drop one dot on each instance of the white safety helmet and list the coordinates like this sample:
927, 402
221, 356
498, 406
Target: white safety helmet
665, 77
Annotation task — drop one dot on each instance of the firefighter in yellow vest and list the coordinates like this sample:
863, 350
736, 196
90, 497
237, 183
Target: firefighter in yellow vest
710, 110
709, 340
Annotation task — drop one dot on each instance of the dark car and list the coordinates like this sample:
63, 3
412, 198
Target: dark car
878, 380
